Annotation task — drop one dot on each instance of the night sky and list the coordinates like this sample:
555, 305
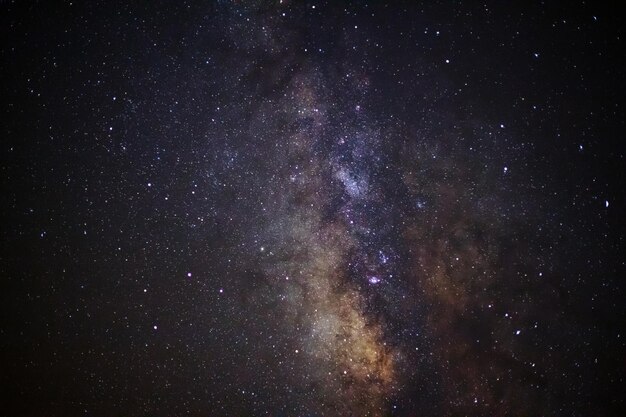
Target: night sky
281, 208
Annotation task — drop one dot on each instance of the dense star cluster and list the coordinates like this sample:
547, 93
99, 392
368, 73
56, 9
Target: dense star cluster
321, 208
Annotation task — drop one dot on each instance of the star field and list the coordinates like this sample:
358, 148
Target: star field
291, 208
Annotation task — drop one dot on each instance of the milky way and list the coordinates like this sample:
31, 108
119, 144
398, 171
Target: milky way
312, 209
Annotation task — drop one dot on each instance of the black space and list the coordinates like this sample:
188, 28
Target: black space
281, 208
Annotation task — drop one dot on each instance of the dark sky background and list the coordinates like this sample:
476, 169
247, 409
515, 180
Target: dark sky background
317, 208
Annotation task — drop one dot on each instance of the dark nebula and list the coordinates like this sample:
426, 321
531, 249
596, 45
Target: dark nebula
281, 208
